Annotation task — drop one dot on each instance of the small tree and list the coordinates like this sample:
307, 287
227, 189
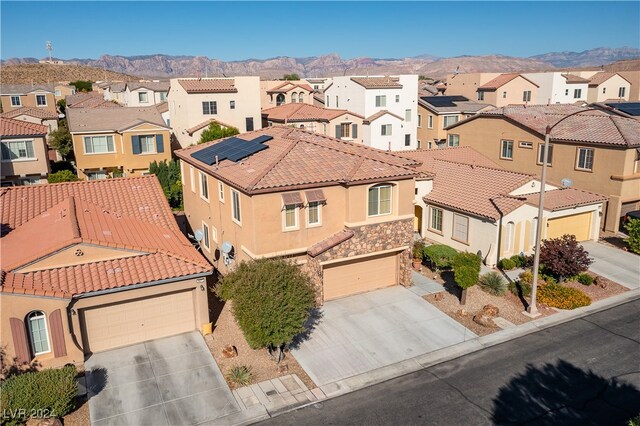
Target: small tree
216, 131
291, 76
466, 272
168, 173
439, 255
272, 301
62, 105
62, 176
60, 140
82, 85
633, 230
563, 257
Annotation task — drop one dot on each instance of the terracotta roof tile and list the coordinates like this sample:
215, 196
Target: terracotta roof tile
209, 85
156, 86
42, 113
565, 198
379, 114
303, 112
501, 80
206, 123
459, 154
21, 89
386, 82
11, 127
288, 85
89, 100
574, 79
162, 107
330, 242
111, 119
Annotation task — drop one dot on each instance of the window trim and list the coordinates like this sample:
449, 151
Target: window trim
43, 315
84, 145
214, 234
215, 109
383, 131
429, 121
236, 195
232, 104
16, 160
430, 223
419, 121
12, 97
204, 182
381, 104
192, 179
378, 187
206, 237
453, 228
577, 163
146, 94
523, 144
319, 222
449, 139
539, 153
296, 216
444, 119
221, 191
45, 104
502, 145
155, 146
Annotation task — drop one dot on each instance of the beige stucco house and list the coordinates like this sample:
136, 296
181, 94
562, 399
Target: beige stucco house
113, 270
608, 86
342, 210
34, 115
145, 93
277, 92
62, 90
467, 84
24, 158
110, 142
594, 150
14, 96
508, 89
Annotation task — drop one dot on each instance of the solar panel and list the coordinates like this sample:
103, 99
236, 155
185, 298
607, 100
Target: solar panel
233, 149
443, 101
262, 139
631, 108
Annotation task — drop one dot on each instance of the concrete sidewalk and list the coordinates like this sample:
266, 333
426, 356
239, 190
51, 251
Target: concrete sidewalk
614, 264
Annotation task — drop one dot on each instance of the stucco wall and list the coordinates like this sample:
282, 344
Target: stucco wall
29, 100
14, 169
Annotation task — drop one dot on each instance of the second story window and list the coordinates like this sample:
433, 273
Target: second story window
419, 120
221, 191
294, 97
41, 100
397, 98
381, 101
147, 144
504, 95
526, 96
585, 159
206, 243
407, 140
506, 150
143, 97
15, 101
313, 213
385, 130
301, 97
407, 115
450, 119
204, 187
99, 144
209, 108
235, 205
379, 200
430, 121
232, 104
291, 216
345, 130
621, 92
480, 95
549, 154
17, 150
163, 96
577, 93
453, 140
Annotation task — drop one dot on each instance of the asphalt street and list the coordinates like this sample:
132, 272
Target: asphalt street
585, 372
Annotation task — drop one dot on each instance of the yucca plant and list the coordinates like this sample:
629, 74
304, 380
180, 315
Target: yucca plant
493, 283
240, 375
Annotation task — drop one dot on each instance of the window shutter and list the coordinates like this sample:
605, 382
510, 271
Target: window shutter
57, 334
338, 131
159, 143
135, 142
20, 345
354, 131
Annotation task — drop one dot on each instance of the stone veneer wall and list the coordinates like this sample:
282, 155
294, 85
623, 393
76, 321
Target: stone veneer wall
369, 239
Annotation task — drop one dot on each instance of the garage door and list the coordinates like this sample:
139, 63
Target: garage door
357, 276
121, 324
577, 224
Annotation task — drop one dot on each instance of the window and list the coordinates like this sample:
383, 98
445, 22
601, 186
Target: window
99, 144
209, 107
214, 234
17, 150
435, 222
232, 104
147, 144
143, 97
221, 191
453, 140
397, 98
192, 179
313, 213
15, 101
205, 237
621, 92
235, 205
430, 121
460, 228
508, 237
450, 119
37, 323
549, 154
204, 186
248, 123
429, 144
585, 159
337, 103
30, 181
419, 144
407, 140
294, 97
419, 120
577, 93
604, 90
345, 130
504, 95
41, 100
506, 151
526, 96
480, 95
566, 92
290, 216
380, 200
163, 96
527, 145
100, 175
407, 115
58, 92
300, 97
385, 130
381, 101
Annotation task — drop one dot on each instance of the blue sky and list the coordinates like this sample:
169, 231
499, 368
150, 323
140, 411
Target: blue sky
242, 30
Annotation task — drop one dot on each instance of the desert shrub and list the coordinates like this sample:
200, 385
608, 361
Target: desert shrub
62, 176
418, 250
439, 256
520, 288
585, 279
240, 375
634, 421
519, 260
493, 283
548, 279
49, 391
466, 269
526, 277
272, 301
561, 297
633, 230
563, 257
506, 264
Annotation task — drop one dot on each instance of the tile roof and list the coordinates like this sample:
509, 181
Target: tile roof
589, 127
386, 82
379, 114
565, 198
117, 87
459, 154
297, 158
450, 104
319, 96
501, 80
330, 242
209, 85
303, 112
42, 113
156, 86
206, 123
11, 127
288, 85
111, 119
574, 79
162, 107
89, 100
126, 214
21, 89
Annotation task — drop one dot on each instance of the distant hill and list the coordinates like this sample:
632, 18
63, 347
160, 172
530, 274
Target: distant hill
47, 73
588, 58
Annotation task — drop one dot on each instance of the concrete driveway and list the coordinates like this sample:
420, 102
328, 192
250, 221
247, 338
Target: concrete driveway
170, 381
361, 333
614, 264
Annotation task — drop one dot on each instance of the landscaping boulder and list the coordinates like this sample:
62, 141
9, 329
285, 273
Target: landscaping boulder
51, 421
438, 296
229, 351
490, 310
462, 312
483, 319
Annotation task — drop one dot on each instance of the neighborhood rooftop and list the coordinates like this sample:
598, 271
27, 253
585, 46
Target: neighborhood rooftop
303, 112
20, 89
11, 127
44, 114
209, 85
501, 80
451, 104
378, 82
97, 119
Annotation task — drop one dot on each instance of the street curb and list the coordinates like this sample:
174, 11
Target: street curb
411, 365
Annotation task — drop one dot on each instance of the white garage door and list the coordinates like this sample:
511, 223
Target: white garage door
121, 324
357, 276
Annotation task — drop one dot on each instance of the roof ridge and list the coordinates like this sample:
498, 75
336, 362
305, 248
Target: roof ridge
484, 167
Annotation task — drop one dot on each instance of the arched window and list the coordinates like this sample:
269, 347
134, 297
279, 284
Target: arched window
508, 237
38, 335
380, 200
294, 96
279, 99
301, 97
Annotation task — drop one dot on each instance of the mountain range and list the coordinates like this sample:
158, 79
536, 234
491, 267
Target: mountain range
163, 66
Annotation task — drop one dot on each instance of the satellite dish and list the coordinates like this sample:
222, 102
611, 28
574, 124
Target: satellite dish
198, 235
566, 182
227, 247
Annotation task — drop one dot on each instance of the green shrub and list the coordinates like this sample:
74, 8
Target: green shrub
57, 166
585, 279
506, 264
50, 391
62, 176
493, 283
240, 375
418, 250
526, 276
561, 297
519, 260
439, 256
548, 279
633, 230
634, 421
520, 288
466, 269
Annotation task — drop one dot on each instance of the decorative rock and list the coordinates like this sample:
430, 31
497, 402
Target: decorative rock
483, 319
229, 351
462, 312
50, 422
490, 311
438, 296
283, 368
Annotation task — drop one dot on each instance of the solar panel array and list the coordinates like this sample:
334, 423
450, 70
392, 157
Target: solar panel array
234, 149
443, 101
631, 108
